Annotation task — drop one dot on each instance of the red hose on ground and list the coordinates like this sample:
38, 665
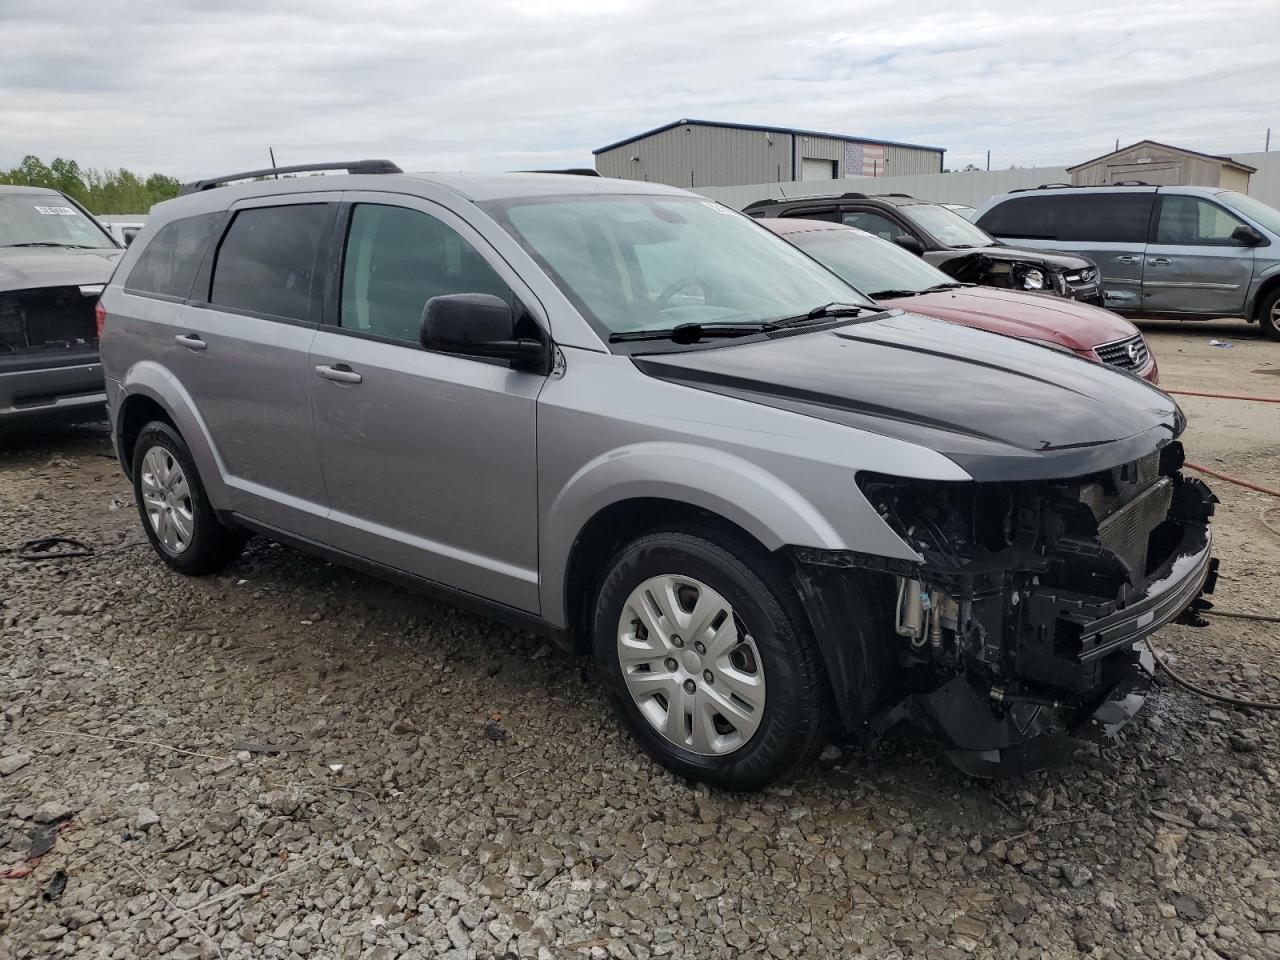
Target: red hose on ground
1223, 396
1223, 476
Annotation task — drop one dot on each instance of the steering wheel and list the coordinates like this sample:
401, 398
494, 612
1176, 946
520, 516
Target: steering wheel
664, 298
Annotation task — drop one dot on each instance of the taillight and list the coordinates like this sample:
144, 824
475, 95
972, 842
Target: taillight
99, 317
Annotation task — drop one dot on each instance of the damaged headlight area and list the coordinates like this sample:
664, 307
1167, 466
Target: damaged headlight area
1021, 618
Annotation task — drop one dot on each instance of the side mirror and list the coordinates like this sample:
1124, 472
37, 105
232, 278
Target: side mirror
910, 244
477, 325
1248, 236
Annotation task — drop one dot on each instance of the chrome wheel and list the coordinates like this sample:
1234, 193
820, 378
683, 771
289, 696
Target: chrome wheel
166, 497
691, 665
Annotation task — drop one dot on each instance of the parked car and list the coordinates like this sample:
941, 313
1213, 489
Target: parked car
124, 228
887, 273
1182, 252
963, 210
951, 243
54, 260
634, 420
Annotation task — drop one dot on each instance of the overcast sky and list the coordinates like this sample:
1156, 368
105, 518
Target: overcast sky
193, 87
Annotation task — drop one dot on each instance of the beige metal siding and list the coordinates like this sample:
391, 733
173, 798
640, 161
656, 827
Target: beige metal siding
1151, 163
911, 162
1233, 179
699, 156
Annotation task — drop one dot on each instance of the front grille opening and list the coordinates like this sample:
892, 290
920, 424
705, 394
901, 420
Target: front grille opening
49, 320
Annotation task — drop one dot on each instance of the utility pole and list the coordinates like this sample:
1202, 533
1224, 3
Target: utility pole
988, 161
1117, 143
1267, 148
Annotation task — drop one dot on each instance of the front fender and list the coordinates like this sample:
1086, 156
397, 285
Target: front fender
154, 381
762, 504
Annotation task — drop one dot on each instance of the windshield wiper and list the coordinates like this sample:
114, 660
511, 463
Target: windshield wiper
943, 286
49, 243
693, 332
891, 294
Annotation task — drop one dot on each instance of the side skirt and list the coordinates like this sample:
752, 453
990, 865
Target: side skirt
510, 616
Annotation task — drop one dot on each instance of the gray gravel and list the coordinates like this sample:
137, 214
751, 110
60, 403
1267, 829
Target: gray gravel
293, 760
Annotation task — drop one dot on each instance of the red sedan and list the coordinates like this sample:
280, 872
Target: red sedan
897, 278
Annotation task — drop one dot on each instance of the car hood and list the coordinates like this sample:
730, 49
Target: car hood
1048, 258
1038, 316
999, 408
26, 268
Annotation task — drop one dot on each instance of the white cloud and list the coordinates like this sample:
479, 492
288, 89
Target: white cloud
190, 87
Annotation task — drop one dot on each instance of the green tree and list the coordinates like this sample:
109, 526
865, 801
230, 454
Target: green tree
106, 191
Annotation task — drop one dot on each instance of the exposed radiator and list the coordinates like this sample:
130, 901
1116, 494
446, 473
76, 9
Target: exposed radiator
1127, 531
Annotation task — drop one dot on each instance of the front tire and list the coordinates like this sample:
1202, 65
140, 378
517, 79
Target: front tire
175, 511
1269, 314
706, 654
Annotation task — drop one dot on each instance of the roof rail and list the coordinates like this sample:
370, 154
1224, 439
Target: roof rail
350, 166
852, 196
570, 171
1131, 183
905, 196
760, 203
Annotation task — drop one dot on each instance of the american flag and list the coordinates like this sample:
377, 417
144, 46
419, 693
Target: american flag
864, 159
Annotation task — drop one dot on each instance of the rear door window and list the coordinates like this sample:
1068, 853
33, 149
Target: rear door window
267, 261
169, 263
1023, 218
396, 260
1103, 217
1196, 222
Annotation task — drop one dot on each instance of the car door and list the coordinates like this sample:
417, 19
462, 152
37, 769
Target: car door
240, 353
429, 459
1193, 264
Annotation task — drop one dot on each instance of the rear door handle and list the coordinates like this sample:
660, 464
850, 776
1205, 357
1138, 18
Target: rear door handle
1160, 261
191, 341
339, 373
1128, 259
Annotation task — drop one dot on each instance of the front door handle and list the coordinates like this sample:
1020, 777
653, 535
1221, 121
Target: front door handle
1128, 259
1159, 261
339, 373
191, 341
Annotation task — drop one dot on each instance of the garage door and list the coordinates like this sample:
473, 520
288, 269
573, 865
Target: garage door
811, 169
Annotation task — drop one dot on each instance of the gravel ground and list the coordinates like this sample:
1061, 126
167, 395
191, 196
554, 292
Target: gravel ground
294, 760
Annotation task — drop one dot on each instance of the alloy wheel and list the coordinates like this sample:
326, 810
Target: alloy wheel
166, 497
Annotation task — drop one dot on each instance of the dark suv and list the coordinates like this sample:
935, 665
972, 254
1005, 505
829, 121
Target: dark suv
947, 240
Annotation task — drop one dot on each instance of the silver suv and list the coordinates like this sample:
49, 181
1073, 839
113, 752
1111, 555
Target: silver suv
636, 421
1187, 253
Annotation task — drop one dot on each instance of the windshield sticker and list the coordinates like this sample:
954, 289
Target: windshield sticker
719, 208
55, 211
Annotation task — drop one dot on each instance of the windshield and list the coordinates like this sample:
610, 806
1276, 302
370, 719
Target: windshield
872, 265
44, 220
1260, 213
946, 226
637, 263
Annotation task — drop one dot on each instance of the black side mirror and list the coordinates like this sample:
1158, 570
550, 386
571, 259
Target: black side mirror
477, 325
1248, 236
910, 244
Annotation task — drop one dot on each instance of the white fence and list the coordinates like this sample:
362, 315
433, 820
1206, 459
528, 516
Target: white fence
974, 188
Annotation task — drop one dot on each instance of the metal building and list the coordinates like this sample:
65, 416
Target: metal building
703, 153
1165, 166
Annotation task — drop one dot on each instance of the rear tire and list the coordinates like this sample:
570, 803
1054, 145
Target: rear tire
702, 646
1269, 314
175, 511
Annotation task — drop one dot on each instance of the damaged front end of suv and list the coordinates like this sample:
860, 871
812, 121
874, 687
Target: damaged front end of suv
1019, 629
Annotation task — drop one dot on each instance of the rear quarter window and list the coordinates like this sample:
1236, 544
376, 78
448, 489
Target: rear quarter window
168, 265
